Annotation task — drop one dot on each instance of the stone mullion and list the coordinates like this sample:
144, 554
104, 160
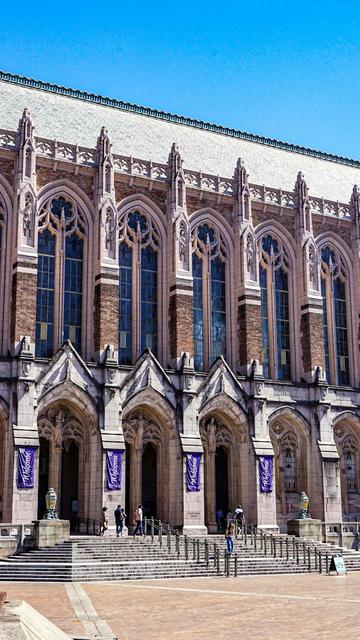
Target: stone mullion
331, 329
271, 310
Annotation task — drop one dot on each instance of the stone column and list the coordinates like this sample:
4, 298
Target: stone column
308, 288
106, 296
24, 273
246, 277
180, 263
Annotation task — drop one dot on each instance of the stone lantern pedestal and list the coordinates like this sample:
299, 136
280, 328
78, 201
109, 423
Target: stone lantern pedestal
307, 528
50, 532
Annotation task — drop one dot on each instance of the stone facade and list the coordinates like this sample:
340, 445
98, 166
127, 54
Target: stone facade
79, 404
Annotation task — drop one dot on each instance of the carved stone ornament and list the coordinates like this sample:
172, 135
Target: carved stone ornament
183, 245
111, 375
109, 229
26, 368
188, 381
250, 252
323, 393
339, 431
278, 428
28, 217
259, 387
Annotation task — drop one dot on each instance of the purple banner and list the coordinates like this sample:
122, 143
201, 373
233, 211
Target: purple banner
113, 469
193, 471
26, 459
266, 473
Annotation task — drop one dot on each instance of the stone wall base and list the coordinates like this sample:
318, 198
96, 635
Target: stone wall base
47, 533
309, 528
195, 530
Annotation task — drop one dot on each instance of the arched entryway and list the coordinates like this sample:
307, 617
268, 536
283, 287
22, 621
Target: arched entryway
149, 479
347, 439
148, 444
69, 505
289, 442
221, 480
224, 457
70, 462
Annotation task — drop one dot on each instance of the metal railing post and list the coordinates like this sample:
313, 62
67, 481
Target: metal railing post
327, 563
207, 553
235, 565
152, 530
177, 544
215, 548
293, 546
217, 560
227, 564
255, 538
186, 544
198, 550
320, 562
304, 552
287, 548
316, 559
145, 525
245, 534
251, 535
261, 539
297, 553
281, 547
265, 544
194, 550
168, 535
160, 533
309, 558
236, 529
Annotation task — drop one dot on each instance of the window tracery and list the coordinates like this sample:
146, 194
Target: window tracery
334, 277
61, 230
138, 287
275, 315
209, 276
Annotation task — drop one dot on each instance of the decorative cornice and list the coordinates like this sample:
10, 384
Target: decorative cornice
171, 117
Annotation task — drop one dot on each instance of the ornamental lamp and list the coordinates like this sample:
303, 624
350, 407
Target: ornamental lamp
303, 506
50, 501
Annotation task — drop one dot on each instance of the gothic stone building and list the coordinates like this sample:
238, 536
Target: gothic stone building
179, 317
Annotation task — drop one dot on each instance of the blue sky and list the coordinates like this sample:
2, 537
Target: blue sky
286, 70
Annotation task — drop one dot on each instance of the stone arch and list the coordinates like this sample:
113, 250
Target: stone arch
343, 250
223, 428
282, 236
149, 424
290, 438
78, 197
147, 208
69, 425
226, 234
346, 429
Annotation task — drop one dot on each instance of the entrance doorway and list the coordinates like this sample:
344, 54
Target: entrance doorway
44, 459
149, 479
69, 481
221, 480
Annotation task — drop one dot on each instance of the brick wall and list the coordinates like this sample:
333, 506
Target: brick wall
249, 334
181, 324
106, 313
23, 306
312, 341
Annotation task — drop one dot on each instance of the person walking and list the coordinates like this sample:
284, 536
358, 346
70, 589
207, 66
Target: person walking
229, 537
117, 514
219, 518
138, 517
104, 524
122, 521
239, 517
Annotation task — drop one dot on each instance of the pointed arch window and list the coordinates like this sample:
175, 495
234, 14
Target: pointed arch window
209, 275
138, 286
335, 322
275, 315
61, 232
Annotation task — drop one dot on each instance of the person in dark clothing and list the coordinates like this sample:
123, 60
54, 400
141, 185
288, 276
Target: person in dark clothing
118, 520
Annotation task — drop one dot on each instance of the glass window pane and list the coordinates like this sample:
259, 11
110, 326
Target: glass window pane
325, 330
148, 300
73, 277
44, 331
264, 323
282, 325
341, 333
198, 314
125, 304
218, 309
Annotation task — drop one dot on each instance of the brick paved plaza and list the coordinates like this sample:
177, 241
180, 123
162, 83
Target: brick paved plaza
270, 608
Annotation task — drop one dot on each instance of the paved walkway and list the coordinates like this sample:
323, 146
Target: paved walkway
268, 608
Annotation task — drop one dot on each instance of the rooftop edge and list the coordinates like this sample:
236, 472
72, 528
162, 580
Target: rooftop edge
170, 117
